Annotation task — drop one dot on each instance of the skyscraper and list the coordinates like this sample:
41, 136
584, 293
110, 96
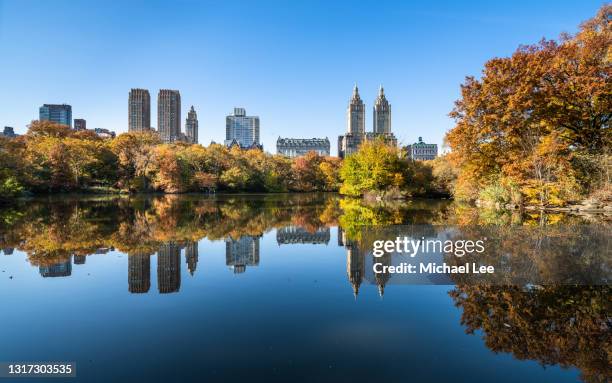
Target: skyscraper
139, 272
169, 115
242, 252
191, 126
241, 129
191, 256
355, 114
139, 110
169, 268
60, 114
382, 113
80, 124
355, 117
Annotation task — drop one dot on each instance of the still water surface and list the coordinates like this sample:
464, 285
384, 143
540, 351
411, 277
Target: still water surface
234, 288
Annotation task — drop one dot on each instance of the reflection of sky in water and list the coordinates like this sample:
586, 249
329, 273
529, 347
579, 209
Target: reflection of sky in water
293, 315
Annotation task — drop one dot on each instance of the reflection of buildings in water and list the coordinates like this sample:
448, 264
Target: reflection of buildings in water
241, 253
340, 237
296, 234
8, 250
62, 269
169, 268
355, 266
191, 256
104, 250
382, 278
139, 272
79, 259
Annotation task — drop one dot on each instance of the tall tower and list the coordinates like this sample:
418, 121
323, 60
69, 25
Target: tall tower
242, 129
191, 256
382, 114
356, 114
139, 272
139, 110
169, 268
169, 115
191, 126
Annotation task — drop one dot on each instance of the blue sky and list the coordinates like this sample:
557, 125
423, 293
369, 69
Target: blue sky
293, 63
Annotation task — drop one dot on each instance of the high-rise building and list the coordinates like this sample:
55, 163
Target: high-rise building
382, 114
139, 272
79, 259
295, 147
191, 126
62, 269
355, 114
191, 256
8, 132
355, 266
241, 129
80, 124
349, 143
60, 114
169, 115
169, 268
241, 253
421, 151
355, 117
139, 110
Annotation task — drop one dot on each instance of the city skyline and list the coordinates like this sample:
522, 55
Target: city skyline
291, 70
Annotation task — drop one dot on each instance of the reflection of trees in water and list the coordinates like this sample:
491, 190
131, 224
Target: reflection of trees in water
50, 232
565, 325
554, 254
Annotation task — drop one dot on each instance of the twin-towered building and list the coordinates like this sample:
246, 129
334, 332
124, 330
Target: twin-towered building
356, 133
168, 115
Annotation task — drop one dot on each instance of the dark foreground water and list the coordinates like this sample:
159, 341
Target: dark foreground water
279, 288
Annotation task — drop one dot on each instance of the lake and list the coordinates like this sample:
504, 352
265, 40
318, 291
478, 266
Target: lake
280, 288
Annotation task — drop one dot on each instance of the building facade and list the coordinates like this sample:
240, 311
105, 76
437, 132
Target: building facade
58, 113
382, 114
104, 133
169, 115
139, 272
349, 143
62, 269
191, 126
8, 132
422, 151
241, 129
80, 124
296, 147
242, 252
139, 110
169, 268
296, 234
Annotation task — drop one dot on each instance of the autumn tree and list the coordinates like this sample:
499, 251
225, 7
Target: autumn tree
375, 168
529, 116
135, 154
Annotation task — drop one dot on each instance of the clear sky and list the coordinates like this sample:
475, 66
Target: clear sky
293, 63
